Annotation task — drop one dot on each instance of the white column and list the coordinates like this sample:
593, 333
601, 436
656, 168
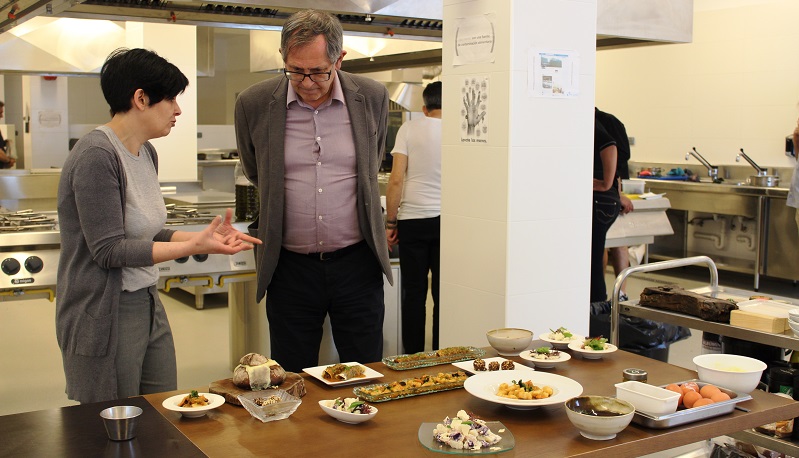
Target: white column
177, 152
516, 203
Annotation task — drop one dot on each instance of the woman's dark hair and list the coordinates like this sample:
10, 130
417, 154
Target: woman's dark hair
432, 96
126, 70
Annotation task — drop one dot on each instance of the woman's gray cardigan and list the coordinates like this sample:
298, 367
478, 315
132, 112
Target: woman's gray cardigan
91, 213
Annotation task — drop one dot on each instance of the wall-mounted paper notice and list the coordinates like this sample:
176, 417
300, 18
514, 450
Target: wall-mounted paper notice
553, 74
475, 39
474, 112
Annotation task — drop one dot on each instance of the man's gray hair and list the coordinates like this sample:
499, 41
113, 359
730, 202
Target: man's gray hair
302, 28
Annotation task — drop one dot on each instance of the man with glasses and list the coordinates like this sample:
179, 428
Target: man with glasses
312, 141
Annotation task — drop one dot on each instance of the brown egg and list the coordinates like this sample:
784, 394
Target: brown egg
690, 397
720, 396
709, 390
676, 388
689, 386
702, 402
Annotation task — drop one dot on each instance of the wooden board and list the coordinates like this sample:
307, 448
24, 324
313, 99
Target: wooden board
758, 321
294, 385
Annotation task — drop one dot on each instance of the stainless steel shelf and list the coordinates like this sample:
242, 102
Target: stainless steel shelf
767, 338
786, 447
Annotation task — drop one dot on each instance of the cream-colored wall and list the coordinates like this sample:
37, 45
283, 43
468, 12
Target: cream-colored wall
735, 86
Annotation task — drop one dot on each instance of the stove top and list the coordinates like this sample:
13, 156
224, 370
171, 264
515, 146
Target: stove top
27, 220
186, 215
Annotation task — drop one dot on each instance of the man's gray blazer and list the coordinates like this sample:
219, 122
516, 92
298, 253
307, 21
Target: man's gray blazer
260, 121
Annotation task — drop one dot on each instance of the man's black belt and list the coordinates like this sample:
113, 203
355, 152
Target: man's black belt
330, 255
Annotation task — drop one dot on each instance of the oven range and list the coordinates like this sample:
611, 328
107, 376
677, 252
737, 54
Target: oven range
29, 250
30, 246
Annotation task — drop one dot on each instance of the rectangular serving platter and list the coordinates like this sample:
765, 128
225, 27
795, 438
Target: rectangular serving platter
431, 358
363, 391
684, 416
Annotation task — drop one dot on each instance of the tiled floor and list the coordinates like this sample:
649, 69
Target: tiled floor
32, 375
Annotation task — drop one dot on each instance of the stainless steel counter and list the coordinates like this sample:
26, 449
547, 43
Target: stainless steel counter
755, 209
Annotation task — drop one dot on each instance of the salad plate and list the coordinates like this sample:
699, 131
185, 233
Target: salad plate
527, 355
214, 401
429, 442
485, 386
468, 366
318, 371
560, 344
589, 353
352, 418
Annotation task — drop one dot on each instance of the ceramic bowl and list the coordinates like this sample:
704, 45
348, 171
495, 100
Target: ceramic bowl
794, 327
599, 417
509, 341
589, 353
346, 417
734, 372
528, 357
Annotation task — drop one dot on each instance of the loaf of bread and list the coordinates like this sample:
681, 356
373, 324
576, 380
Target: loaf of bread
257, 372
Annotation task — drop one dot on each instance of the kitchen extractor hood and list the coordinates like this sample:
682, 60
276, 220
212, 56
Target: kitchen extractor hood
369, 17
619, 23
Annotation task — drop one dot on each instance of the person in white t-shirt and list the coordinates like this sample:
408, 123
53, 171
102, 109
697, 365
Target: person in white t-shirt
413, 215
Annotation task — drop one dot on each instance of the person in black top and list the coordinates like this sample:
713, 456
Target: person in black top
606, 205
619, 256
6, 161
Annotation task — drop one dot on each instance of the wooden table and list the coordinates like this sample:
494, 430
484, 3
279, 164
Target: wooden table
231, 431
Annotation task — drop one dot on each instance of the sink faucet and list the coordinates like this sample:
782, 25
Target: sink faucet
712, 170
760, 171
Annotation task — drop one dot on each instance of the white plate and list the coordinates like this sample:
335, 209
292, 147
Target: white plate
485, 386
468, 366
214, 401
561, 344
347, 417
316, 372
771, 308
545, 363
587, 353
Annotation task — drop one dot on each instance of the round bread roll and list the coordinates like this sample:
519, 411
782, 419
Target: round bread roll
257, 372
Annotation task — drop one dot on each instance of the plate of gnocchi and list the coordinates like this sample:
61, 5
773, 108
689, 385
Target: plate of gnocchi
521, 389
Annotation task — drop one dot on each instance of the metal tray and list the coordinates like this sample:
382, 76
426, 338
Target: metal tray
363, 391
431, 358
684, 416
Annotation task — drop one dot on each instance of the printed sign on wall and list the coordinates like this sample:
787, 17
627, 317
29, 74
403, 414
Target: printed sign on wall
553, 74
474, 113
475, 40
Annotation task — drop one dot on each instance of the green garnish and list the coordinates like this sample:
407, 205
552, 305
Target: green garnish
355, 405
542, 350
595, 343
563, 331
194, 394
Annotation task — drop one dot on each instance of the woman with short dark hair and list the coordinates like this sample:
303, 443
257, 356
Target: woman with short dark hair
111, 327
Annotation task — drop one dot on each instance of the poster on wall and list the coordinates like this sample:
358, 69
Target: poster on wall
474, 39
553, 74
474, 113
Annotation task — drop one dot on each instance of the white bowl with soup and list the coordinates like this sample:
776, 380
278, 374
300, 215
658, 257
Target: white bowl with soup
734, 372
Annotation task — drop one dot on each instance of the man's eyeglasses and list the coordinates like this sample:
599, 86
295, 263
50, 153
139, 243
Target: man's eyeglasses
299, 77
